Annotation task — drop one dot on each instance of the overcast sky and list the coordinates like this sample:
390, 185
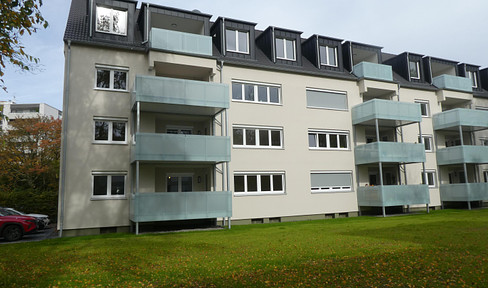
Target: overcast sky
449, 29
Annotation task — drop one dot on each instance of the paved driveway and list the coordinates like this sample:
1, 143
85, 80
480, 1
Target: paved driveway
38, 236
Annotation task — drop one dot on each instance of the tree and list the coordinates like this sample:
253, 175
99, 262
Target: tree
18, 17
29, 154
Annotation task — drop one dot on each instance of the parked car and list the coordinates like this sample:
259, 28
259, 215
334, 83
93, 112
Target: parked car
13, 227
43, 219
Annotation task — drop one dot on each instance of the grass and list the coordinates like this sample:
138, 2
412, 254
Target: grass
442, 249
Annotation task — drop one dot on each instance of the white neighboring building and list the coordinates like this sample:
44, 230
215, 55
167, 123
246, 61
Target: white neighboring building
14, 111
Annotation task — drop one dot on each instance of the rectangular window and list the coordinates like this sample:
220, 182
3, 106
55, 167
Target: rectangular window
257, 137
285, 49
237, 41
326, 99
328, 140
109, 185
259, 183
472, 76
112, 131
427, 142
414, 69
179, 183
328, 56
424, 107
484, 141
485, 175
111, 78
331, 182
111, 21
430, 178
256, 93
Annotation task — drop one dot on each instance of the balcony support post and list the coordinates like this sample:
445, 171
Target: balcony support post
380, 164
424, 174
465, 167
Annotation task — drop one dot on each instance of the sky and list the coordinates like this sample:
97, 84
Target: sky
448, 29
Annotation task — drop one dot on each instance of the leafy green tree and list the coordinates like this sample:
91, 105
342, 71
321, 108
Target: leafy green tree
18, 17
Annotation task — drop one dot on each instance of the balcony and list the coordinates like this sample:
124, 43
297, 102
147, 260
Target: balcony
183, 96
390, 113
462, 154
373, 71
389, 152
450, 82
181, 148
452, 119
180, 42
166, 206
464, 192
393, 195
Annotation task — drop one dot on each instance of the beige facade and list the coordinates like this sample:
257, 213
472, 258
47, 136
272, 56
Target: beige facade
189, 130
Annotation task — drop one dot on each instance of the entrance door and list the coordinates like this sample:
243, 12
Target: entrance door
179, 183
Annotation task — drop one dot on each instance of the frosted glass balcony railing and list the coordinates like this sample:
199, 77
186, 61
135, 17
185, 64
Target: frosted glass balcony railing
464, 192
386, 110
393, 195
451, 82
180, 42
462, 154
373, 71
389, 152
460, 117
179, 147
165, 206
178, 91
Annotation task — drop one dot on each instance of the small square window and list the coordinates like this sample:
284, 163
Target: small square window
237, 41
424, 108
285, 49
108, 131
430, 178
328, 56
112, 79
427, 143
111, 21
108, 184
472, 76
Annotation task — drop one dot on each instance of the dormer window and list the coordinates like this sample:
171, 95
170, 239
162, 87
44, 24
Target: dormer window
237, 41
328, 56
111, 21
472, 75
414, 69
285, 49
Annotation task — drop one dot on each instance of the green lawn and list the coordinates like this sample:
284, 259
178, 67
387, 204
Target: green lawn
441, 249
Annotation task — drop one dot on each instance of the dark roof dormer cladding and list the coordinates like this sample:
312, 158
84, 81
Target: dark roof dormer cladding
409, 66
281, 46
113, 21
471, 72
234, 38
324, 52
355, 53
434, 67
484, 78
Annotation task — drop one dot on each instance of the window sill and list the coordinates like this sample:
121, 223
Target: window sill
240, 52
244, 194
99, 198
110, 90
111, 33
109, 143
325, 108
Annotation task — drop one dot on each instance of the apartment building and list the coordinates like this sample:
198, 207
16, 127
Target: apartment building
172, 117
13, 111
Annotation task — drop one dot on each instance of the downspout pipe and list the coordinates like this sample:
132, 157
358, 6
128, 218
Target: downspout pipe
62, 180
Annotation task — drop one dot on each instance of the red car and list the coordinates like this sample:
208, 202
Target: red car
12, 228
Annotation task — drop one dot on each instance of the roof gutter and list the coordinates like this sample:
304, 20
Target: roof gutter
64, 129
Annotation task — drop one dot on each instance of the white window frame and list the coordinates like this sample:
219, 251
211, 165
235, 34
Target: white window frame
236, 34
111, 21
485, 175
327, 55
179, 175
433, 185
112, 69
417, 64
428, 138
426, 103
109, 175
483, 141
473, 78
328, 134
259, 174
284, 49
257, 137
110, 130
331, 189
256, 90
179, 128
